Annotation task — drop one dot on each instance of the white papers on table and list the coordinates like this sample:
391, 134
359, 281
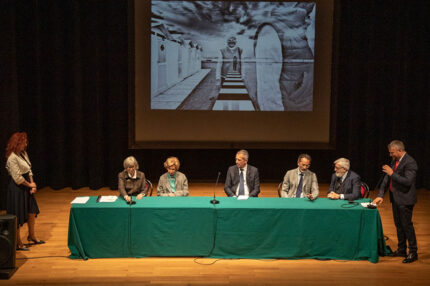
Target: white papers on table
242, 197
80, 200
108, 199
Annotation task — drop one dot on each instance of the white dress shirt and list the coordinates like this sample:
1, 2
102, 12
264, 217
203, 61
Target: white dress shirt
246, 192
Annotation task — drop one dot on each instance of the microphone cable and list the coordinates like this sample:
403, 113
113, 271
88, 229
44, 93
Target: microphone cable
129, 226
349, 205
213, 242
215, 231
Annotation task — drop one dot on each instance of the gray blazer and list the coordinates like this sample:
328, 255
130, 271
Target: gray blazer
132, 187
291, 182
404, 192
181, 185
252, 180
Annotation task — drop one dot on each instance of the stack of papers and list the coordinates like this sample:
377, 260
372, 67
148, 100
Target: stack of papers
80, 200
108, 199
243, 197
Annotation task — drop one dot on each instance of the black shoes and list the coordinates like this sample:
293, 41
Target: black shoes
29, 239
398, 253
408, 258
22, 248
411, 258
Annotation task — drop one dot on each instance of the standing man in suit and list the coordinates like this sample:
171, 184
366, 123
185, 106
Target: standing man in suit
242, 179
300, 182
400, 181
345, 184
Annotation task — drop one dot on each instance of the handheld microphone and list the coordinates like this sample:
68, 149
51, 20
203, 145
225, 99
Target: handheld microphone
378, 184
214, 201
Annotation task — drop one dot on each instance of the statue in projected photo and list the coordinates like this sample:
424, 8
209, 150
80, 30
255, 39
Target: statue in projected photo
233, 94
229, 60
284, 60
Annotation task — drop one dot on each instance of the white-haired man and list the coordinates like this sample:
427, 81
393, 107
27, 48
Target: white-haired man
345, 184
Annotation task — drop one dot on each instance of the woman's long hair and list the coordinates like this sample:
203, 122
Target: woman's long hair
16, 143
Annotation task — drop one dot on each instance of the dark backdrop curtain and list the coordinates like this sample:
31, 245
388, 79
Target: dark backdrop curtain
66, 86
382, 83
64, 76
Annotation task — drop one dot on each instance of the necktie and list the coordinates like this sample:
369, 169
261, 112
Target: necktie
338, 185
394, 169
241, 184
300, 186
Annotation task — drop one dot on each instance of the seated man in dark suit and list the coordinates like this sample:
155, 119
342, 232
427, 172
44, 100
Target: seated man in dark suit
242, 179
345, 184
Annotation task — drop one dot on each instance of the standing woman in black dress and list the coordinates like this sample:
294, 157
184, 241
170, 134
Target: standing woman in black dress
21, 189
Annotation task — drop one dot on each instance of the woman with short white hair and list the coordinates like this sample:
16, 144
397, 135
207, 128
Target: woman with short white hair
131, 181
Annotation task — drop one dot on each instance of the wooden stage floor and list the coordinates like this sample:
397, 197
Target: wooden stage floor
49, 264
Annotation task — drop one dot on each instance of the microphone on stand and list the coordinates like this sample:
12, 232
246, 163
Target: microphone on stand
214, 201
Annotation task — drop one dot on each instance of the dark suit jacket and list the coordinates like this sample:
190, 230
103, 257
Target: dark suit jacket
351, 186
252, 180
404, 192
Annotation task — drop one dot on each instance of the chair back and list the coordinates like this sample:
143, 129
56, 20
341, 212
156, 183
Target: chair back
364, 190
149, 188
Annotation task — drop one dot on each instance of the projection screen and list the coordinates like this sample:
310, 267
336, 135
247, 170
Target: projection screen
230, 74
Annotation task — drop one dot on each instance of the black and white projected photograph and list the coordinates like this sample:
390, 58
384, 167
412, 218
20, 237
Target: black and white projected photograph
232, 56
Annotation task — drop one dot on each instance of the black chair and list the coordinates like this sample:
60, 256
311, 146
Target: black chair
149, 187
365, 192
279, 189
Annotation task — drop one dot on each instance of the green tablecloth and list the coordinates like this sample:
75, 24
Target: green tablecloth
253, 228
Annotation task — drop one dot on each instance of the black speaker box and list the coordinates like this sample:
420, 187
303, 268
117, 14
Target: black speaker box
7, 246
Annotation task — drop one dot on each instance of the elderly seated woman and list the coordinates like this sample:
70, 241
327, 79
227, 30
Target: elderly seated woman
172, 183
132, 182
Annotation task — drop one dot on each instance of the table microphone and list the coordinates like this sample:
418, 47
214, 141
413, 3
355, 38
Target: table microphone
214, 201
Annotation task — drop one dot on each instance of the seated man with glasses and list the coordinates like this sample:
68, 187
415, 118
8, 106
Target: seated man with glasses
300, 182
345, 184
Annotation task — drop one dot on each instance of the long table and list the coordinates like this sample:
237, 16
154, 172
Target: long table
290, 228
